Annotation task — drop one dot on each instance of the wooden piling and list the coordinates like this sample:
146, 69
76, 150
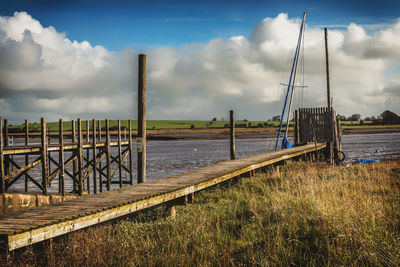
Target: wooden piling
232, 134
2, 172
108, 154
80, 158
44, 154
61, 163
74, 164
130, 153
100, 165
296, 128
87, 155
119, 154
26, 155
6, 144
94, 152
141, 144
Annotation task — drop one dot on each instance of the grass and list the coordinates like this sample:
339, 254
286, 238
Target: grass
300, 215
151, 124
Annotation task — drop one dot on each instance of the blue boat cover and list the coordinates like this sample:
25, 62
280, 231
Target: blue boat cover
364, 161
286, 143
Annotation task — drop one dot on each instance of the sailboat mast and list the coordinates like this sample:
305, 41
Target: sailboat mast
290, 79
328, 86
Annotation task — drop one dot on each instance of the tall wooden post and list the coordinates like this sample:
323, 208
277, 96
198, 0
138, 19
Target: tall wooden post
44, 154
328, 87
6, 144
130, 153
80, 158
26, 155
119, 154
74, 163
108, 151
141, 141
2, 181
87, 154
232, 135
94, 166
61, 163
296, 128
100, 165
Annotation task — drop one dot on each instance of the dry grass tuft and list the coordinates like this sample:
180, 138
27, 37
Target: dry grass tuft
303, 215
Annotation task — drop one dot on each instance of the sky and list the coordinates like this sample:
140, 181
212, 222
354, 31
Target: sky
75, 59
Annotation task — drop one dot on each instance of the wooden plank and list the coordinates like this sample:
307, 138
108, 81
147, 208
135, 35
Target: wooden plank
100, 174
74, 163
24, 169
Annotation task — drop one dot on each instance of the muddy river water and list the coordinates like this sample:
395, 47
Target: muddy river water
166, 158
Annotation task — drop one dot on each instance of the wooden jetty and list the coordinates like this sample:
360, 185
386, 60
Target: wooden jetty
43, 223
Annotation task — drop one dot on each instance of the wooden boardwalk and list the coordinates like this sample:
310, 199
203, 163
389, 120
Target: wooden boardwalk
35, 225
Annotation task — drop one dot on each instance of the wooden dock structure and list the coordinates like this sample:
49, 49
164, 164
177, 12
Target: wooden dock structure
27, 227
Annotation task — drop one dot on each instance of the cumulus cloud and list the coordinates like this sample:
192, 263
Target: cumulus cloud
43, 73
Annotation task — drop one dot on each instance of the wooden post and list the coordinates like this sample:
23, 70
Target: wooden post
61, 163
141, 141
80, 158
94, 166
87, 154
6, 144
339, 132
232, 135
74, 164
108, 154
100, 165
26, 155
119, 154
130, 153
328, 87
2, 181
44, 154
296, 128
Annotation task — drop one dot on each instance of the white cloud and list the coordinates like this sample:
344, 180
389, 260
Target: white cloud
43, 73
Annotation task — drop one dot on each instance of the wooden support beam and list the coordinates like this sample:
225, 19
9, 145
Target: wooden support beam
328, 86
74, 164
119, 154
87, 153
130, 153
108, 151
141, 151
61, 176
94, 152
6, 144
20, 170
232, 134
26, 155
44, 154
100, 173
2, 171
80, 158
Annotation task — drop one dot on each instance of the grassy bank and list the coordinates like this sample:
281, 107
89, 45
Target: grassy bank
301, 215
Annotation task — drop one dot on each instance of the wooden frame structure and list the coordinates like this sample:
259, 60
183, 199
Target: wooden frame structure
94, 162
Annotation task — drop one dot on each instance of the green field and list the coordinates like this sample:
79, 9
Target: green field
154, 124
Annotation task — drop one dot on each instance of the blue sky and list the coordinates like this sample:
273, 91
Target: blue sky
150, 24
204, 57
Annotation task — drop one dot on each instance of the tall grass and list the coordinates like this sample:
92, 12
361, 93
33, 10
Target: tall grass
301, 215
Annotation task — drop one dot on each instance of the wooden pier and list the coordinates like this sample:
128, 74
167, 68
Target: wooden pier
27, 227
